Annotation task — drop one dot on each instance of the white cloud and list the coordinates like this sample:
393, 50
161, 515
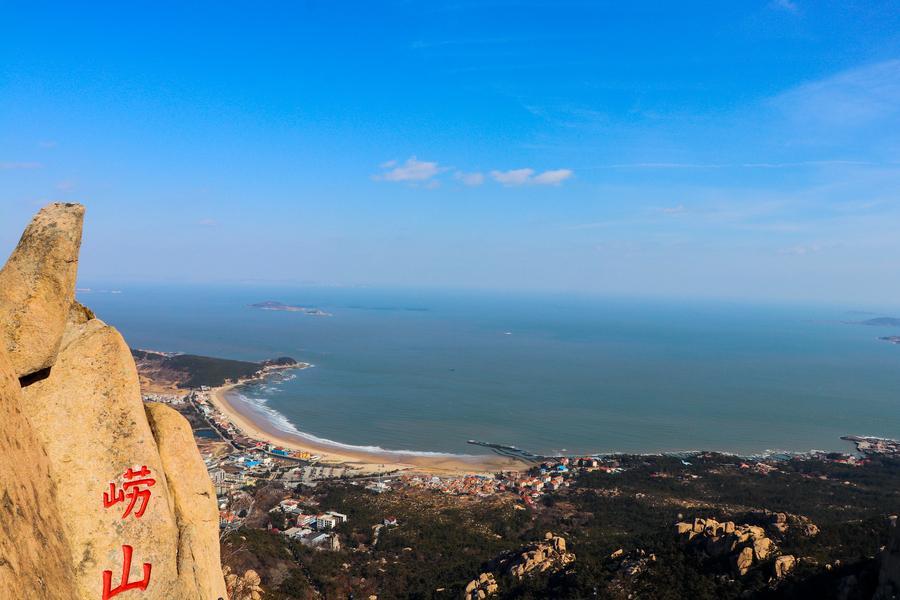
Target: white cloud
424, 174
412, 170
66, 185
48, 144
673, 210
513, 177
552, 177
516, 177
207, 222
13, 166
472, 179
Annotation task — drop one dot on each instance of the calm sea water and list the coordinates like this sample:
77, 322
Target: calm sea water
427, 371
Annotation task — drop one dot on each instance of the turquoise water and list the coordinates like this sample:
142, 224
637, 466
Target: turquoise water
426, 371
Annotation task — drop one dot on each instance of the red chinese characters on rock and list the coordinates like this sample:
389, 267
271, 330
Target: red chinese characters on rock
133, 490
124, 585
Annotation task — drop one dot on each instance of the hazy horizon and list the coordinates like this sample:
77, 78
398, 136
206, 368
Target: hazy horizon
746, 151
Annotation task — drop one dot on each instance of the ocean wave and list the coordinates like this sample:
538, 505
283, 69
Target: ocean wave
284, 425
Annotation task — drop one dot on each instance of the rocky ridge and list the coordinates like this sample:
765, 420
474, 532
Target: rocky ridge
73, 428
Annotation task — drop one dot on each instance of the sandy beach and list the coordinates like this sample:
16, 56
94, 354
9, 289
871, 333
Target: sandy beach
362, 459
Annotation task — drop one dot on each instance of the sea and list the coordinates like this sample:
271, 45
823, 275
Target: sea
428, 370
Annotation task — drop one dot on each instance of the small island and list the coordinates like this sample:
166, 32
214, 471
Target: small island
882, 322
307, 310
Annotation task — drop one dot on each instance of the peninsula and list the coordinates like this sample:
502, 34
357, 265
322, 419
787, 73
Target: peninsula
184, 371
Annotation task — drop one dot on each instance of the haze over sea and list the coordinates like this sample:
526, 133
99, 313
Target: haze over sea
427, 371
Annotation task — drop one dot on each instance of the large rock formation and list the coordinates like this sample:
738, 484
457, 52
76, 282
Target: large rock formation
484, 586
746, 545
37, 287
193, 497
549, 555
93, 483
244, 587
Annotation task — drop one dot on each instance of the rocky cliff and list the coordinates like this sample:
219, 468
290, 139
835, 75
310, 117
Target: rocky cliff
99, 494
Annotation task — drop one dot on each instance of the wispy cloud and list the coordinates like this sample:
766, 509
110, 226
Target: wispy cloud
47, 144
207, 222
673, 210
425, 44
471, 179
66, 185
15, 166
516, 177
850, 98
659, 165
746, 165
593, 225
785, 5
413, 170
566, 114
801, 250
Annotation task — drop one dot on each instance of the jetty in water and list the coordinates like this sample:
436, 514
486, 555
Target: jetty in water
510, 451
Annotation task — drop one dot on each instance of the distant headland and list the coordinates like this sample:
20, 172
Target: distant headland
191, 371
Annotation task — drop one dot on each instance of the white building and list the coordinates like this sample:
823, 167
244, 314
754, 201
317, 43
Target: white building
340, 517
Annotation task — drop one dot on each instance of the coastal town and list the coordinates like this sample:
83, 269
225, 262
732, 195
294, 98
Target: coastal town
238, 464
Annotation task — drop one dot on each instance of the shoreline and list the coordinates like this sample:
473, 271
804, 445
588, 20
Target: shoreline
417, 461
337, 453
330, 451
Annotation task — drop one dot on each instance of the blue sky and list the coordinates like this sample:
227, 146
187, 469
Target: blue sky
743, 150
